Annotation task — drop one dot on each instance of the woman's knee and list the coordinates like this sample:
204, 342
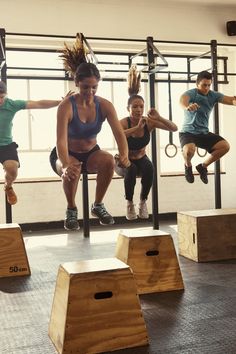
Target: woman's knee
106, 163
150, 168
146, 168
132, 169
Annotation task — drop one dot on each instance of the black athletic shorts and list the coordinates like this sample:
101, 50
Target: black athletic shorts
203, 141
82, 157
9, 152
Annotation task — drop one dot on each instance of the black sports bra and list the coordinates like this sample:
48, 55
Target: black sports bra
137, 143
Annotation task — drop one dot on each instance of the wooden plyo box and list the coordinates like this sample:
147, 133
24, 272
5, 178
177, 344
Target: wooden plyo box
151, 256
207, 235
96, 308
13, 257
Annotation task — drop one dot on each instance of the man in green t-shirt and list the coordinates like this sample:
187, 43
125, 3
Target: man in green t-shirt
8, 148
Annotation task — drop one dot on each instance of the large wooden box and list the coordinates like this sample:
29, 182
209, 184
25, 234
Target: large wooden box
96, 308
207, 235
13, 256
152, 257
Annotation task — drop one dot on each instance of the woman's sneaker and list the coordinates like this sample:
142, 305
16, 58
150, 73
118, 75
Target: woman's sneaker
11, 195
131, 213
71, 220
104, 217
143, 211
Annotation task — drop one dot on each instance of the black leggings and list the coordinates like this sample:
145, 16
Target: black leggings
139, 168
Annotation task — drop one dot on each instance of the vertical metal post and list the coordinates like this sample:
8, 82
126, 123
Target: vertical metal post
8, 208
155, 212
4, 68
216, 123
85, 205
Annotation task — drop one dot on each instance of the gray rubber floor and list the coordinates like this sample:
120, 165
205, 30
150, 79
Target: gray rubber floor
199, 320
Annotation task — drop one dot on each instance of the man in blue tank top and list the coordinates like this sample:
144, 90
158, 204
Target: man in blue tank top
198, 104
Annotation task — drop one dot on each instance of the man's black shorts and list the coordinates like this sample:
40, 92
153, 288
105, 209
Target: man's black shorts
203, 141
9, 152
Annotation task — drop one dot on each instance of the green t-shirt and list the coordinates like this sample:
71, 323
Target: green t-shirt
7, 113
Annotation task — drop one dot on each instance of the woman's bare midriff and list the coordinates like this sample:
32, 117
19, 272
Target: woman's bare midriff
137, 154
81, 145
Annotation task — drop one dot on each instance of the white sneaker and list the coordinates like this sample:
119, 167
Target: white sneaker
143, 211
131, 213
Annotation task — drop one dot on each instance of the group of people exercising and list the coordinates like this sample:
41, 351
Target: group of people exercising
80, 117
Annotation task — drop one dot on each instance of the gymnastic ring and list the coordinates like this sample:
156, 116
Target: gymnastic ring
175, 152
203, 155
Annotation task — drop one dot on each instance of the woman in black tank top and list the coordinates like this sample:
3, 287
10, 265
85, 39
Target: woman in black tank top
137, 129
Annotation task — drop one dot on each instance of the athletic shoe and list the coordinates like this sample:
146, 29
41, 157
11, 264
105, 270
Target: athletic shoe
203, 173
104, 217
189, 174
71, 220
143, 211
11, 195
131, 213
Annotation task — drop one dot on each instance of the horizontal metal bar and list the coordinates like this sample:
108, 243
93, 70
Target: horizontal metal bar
158, 68
38, 35
28, 68
114, 63
113, 71
191, 75
116, 39
112, 79
194, 43
24, 49
73, 37
26, 77
36, 50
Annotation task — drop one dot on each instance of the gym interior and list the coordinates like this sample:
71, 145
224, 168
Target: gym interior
190, 307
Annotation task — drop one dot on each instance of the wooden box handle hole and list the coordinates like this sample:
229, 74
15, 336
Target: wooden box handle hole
103, 295
152, 253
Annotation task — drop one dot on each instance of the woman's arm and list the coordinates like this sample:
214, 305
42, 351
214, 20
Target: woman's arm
63, 118
129, 131
64, 113
154, 120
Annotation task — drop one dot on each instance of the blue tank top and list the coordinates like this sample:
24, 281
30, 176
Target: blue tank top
137, 143
80, 130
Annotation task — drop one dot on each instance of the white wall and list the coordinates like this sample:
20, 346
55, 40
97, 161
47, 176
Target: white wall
164, 20
167, 20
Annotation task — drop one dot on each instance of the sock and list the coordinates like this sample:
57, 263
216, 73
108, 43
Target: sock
97, 204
